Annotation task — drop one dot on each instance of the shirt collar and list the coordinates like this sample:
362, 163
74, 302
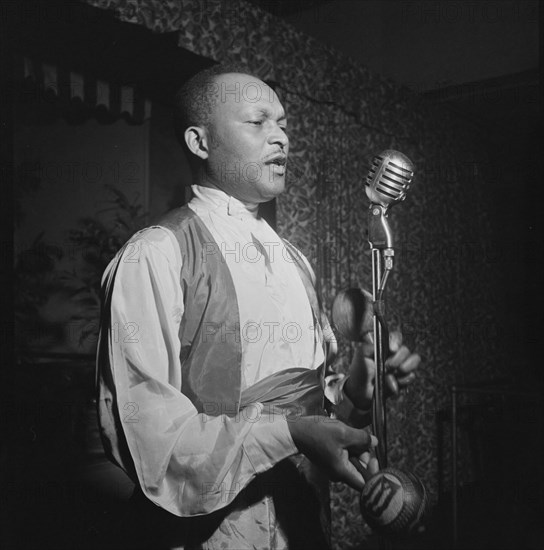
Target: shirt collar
211, 198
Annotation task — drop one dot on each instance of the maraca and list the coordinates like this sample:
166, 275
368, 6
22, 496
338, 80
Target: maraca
392, 502
348, 314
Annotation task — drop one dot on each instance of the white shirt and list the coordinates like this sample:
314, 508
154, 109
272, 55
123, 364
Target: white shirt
174, 448
277, 326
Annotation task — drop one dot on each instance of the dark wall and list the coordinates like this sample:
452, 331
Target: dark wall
429, 44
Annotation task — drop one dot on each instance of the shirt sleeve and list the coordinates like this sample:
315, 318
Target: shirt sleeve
186, 462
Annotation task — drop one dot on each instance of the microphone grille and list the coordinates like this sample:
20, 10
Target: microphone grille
389, 177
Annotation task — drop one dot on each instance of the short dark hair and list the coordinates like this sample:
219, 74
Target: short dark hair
196, 98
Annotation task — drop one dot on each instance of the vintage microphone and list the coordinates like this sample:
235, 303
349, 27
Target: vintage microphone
387, 183
392, 502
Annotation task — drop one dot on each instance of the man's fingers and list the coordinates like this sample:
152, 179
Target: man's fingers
410, 364
365, 465
405, 380
398, 357
392, 384
360, 441
400, 379
373, 466
395, 340
367, 347
352, 474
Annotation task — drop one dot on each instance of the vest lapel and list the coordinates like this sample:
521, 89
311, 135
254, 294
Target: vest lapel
211, 349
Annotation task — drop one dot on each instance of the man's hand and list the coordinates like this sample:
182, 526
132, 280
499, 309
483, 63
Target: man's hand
400, 366
329, 444
366, 464
352, 314
400, 369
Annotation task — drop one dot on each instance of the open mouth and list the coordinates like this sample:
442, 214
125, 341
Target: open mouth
278, 167
280, 160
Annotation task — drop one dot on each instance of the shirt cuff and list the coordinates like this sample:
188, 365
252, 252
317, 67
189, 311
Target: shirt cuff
269, 440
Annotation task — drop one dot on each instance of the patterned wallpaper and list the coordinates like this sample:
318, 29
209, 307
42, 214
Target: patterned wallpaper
441, 292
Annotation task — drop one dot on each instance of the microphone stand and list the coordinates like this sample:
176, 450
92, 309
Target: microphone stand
381, 244
380, 239
387, 182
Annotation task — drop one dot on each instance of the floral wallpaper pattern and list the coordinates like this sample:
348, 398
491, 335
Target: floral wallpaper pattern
340, 115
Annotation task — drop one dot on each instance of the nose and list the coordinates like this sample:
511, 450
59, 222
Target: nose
278, 137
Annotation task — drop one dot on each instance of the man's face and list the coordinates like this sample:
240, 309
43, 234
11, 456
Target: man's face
248, 146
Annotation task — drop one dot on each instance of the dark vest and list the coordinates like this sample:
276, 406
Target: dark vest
211, 350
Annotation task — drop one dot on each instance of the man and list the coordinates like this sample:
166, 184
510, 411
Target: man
213, 374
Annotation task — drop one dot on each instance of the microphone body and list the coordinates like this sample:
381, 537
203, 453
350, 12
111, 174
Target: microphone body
389, 178
387, 183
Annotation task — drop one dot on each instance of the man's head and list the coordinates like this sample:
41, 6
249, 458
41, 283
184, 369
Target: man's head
232, 125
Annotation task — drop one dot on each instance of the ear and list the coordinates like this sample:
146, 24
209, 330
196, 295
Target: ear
197, 141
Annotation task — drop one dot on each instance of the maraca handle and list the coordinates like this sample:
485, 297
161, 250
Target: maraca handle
360, 468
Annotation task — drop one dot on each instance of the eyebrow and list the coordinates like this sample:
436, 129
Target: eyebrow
268, 113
